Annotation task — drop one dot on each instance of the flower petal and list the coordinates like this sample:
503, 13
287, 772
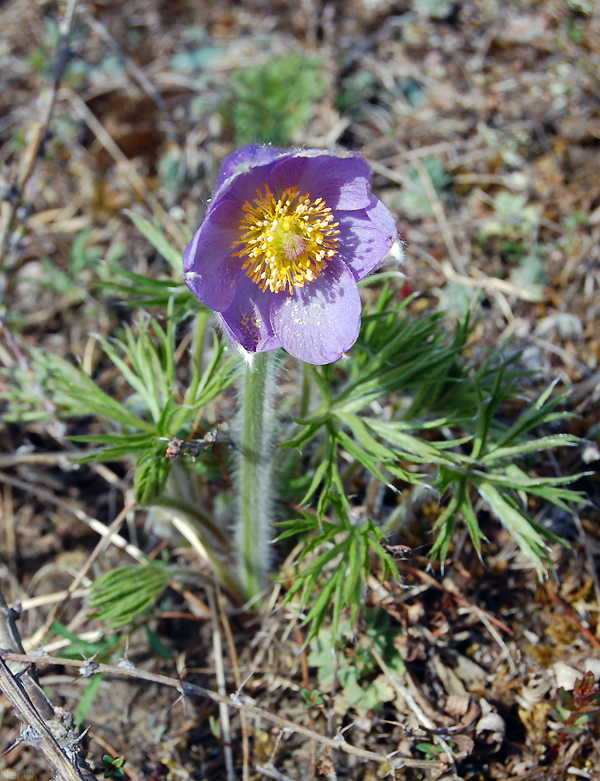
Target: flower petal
247, 321
366, 237
210, 270
342, 179
321, 321
245, 158
247, 170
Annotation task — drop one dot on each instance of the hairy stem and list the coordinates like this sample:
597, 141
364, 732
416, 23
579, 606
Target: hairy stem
255, 418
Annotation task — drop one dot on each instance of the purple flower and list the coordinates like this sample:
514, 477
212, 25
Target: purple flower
286, 238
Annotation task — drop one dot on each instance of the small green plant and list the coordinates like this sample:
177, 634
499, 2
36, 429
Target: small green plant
513, 216
452, 423
113, 766
123, 594
42, 59
343, 567
312, 699
270, 102
431, 751
416, 197
340, 654
574, 710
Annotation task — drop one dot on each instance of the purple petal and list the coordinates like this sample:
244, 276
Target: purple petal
342, 179
246, 170
247, 157
321, 321
247, 321
210, 271
366, 237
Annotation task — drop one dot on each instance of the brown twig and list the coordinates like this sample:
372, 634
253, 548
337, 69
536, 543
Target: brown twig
93, 523
61, 460
305, 683
233, 701
220, 675
144, 82
238, 680
135, 179
53, 733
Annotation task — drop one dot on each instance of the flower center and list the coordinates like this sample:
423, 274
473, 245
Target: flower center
286, 243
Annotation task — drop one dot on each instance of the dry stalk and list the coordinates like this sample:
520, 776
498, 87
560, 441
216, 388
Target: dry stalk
238, 680
93, 523
220, 673
237, 701
50, 730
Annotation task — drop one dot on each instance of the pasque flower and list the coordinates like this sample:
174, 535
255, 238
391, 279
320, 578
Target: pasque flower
286, 237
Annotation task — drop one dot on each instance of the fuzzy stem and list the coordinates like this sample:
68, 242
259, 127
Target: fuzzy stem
255, 419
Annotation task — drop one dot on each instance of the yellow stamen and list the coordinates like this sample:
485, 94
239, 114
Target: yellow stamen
286, 243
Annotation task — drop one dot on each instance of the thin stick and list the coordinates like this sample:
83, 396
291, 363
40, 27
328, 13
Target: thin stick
238, 680
220, 675
440, 216
233, 701
400, 689
65, 762
312, 748
52, 732
93, 523
62, 460
139, 75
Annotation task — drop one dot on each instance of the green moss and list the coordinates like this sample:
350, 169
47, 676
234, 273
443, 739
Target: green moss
268, 103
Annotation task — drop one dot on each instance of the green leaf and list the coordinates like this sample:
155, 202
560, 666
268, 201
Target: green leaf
527, 534
540, 413
307, 432
89, 695
123, 594
317, 614
425, 451
530, 446
142, 291
323, 472
152, 470
100, 650
444, 525
156, 644
133, 441
485, 415
359, 428
361, 455
470, 519
158, 240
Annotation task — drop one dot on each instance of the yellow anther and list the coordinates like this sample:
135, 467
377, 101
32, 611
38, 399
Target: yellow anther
285, 243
